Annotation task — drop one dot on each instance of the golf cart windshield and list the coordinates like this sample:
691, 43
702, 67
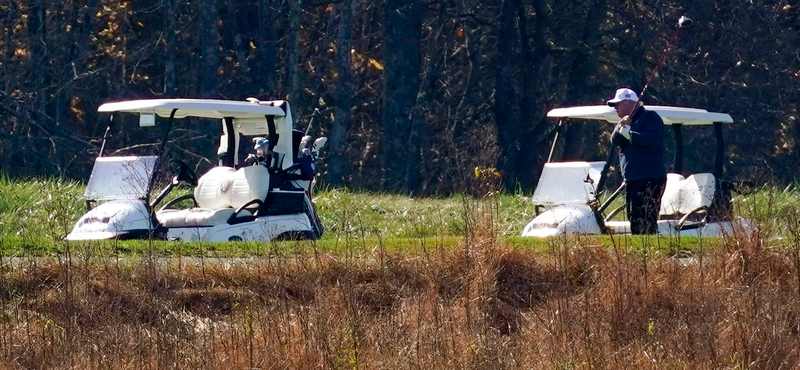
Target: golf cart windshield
120, 178
556, 184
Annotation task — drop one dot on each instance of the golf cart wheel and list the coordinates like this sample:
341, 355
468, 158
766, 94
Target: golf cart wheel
297, 235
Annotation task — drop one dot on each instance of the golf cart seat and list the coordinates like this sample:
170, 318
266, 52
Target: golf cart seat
222, 195
249, 187
687, 199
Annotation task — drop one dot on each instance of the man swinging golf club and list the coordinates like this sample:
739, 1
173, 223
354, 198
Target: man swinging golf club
640, 137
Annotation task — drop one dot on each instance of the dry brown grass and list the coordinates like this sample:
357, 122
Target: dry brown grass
483, 306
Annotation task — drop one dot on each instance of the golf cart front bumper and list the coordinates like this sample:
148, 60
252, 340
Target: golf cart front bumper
117, 219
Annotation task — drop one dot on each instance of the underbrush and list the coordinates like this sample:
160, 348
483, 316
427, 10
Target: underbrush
400, 283
482, 304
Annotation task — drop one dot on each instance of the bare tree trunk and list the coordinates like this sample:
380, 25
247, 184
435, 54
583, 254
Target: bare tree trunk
209, 48
580, 140
40, 89
402, 77
344, 95
505, 97
293, 53
6, 26
10, 119
38, 41
238, 48
264, 68
531, 124
170, 89
452, 121
532, 62
519, 130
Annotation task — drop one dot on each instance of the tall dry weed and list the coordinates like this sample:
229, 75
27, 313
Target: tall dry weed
482, 305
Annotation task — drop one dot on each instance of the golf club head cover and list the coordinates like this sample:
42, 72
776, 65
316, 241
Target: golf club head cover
319, 143
305, 142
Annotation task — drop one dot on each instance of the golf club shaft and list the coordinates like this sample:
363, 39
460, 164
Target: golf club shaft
683, 20
311, 122
555, 140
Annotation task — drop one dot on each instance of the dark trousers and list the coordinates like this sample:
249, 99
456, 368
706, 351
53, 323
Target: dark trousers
644, 202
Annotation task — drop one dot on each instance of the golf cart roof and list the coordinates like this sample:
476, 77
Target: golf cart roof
670, 115
205, 108
272, 119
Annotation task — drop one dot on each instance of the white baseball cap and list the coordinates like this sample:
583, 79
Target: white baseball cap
623, 94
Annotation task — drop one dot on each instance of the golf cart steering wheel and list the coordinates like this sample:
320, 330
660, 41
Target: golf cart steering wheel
184, 173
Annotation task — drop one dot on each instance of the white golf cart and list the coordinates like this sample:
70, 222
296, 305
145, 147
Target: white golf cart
266, 196
567, 196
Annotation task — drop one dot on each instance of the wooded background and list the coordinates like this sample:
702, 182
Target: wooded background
415, 94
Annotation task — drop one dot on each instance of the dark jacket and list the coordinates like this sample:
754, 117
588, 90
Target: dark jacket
642, 157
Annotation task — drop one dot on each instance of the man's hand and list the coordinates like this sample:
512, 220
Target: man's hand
624, 129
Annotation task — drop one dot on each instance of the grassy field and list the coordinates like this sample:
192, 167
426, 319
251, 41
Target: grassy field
36, 214
399, 283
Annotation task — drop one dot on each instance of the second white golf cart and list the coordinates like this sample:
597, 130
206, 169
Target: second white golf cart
266, 195
567, 194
